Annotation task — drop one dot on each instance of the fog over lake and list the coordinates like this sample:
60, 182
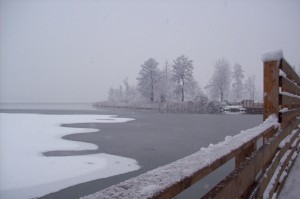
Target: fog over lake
74, 51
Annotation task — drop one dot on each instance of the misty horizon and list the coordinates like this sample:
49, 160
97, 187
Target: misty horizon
75, 51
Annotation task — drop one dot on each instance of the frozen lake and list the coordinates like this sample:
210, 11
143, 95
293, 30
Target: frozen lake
153, 139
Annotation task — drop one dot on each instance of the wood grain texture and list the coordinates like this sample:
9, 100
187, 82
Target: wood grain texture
271, 91
289, 71
289, 86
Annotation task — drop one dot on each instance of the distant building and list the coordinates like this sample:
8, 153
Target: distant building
252, 107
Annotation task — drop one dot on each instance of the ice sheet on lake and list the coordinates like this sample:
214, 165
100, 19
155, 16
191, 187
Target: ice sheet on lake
26, 173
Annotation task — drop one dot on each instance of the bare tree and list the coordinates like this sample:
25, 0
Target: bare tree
148, 78
220, 81
237, 85
183, 74
249, 87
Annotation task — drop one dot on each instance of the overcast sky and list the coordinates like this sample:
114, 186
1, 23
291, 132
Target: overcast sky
74, 51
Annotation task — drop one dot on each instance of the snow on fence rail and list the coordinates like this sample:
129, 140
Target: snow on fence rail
260, 171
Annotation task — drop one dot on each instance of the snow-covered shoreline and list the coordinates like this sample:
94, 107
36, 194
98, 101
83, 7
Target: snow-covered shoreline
26, 173
172, 107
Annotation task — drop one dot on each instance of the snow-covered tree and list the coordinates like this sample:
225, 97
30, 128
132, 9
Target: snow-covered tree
148, 78
249, 87
183, 75
166, 84
193, 91
237, 85
115, 95
197, 95
127, 89
128, 95
220, 82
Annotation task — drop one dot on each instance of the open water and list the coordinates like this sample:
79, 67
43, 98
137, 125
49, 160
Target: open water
153, 139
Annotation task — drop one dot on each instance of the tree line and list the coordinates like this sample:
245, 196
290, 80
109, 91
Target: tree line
176, 83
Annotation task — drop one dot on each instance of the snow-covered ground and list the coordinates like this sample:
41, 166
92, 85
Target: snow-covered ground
291, 188
26, 173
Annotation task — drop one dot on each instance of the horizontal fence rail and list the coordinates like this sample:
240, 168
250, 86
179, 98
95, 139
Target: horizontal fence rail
260, 170
169, 180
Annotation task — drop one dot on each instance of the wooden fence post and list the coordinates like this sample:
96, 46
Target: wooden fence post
271, 85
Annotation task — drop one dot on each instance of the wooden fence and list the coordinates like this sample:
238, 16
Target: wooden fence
260, 169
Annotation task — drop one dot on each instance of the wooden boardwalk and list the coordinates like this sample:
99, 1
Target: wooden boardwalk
263, 155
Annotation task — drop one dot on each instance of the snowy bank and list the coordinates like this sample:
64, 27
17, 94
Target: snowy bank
26, 173
290, 189
173, 107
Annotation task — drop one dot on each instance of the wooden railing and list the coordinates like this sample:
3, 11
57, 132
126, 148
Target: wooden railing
260, 169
